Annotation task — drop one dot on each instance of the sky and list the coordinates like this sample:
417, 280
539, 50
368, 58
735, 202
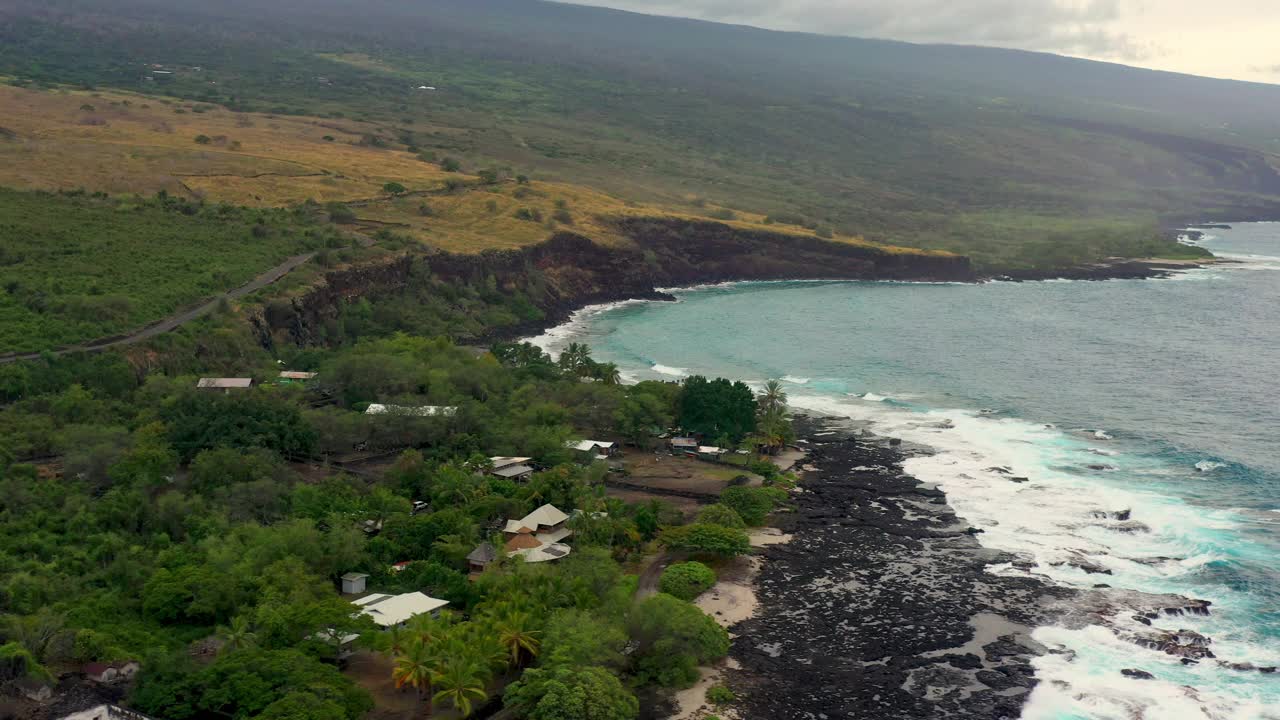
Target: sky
1220, 38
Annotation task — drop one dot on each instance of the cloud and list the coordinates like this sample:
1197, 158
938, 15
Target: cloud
1265, 69
1080, 27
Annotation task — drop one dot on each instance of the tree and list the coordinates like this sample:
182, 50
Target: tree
450, 165
641, 417
460, 683
707, 539
717, 407
571, 693
575, 358
203, 139
687, 580
238, 635
673, 637
417, 667
301, 705
515, 630
394, 188
772, 398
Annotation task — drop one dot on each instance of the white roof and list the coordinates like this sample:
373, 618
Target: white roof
390, 610
710, 449
296, 375
421, 411
509, 471
224, 382
588, 445
515, 526
545, 516
543, 553
684, 441
500, 461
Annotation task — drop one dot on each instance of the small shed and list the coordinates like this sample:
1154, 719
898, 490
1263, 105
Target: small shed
480, 558
353, 583
711, 452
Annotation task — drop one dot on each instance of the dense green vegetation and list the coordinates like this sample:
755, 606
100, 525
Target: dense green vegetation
1002, 155
77, 267
203, 532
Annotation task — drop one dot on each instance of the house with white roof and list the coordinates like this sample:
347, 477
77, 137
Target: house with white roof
224, 384
537, 537
393, 610
512, 468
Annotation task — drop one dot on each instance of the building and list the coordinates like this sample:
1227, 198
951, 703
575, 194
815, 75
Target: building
292, 376
108, 673
711, 452
480, 558
414, 411
512, 468
680, 445
353, 583
591, 450
224, 384
396, 610
537, 536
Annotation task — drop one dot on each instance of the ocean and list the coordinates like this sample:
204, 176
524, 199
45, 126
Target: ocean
1155, 397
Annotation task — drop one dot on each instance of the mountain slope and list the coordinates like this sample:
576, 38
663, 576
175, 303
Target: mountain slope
1016, 158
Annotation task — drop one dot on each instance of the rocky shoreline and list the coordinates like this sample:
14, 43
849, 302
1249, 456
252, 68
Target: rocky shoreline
880, 605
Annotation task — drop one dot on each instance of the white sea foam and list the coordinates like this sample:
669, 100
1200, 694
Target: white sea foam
1209, 465
669, 371
554, 339
795, 380
872, 397
1058, 520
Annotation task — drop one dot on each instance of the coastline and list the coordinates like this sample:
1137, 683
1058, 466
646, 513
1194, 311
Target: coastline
880, 606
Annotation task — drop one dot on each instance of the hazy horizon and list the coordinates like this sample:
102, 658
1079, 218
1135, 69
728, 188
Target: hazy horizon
1232, 39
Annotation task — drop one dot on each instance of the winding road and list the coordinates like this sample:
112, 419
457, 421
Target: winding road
176, 320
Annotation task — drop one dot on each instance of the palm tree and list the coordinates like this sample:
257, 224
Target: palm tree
517, 635
461, 683
773, 398
417, 667
238, 635
606, 373
576, 358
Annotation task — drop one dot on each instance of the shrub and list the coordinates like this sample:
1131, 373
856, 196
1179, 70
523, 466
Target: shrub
708, 539
687, 580
532, 215
720, 695
327, 138
340, 213
203, 139
722, 214
824, 231
426, 210
562, 216
394, 188
723, 515
753, 504
522, 179
450, 165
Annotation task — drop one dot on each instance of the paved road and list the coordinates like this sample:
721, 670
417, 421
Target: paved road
178, 319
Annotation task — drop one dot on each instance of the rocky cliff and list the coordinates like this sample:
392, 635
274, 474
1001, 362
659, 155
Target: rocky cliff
568, 271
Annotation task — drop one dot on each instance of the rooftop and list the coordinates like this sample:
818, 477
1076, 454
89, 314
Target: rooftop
391, 610
224, 382
509, 471
501, 461
588, 445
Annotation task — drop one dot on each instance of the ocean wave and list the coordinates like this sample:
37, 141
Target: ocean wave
553, 340
795, 380
1205, 466
668, 370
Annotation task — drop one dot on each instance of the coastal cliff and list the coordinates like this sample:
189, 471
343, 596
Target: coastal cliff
568, 271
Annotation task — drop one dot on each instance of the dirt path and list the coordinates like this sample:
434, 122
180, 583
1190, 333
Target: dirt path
174, 321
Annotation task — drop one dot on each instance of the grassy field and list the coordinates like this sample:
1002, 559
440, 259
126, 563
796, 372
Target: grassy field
128, 143
79, 268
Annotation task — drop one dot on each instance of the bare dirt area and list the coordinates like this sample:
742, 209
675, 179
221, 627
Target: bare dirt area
660, 471
372, 671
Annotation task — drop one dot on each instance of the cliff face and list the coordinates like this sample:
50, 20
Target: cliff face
569, 271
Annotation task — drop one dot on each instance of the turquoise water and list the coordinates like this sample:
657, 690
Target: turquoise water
1158, 397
